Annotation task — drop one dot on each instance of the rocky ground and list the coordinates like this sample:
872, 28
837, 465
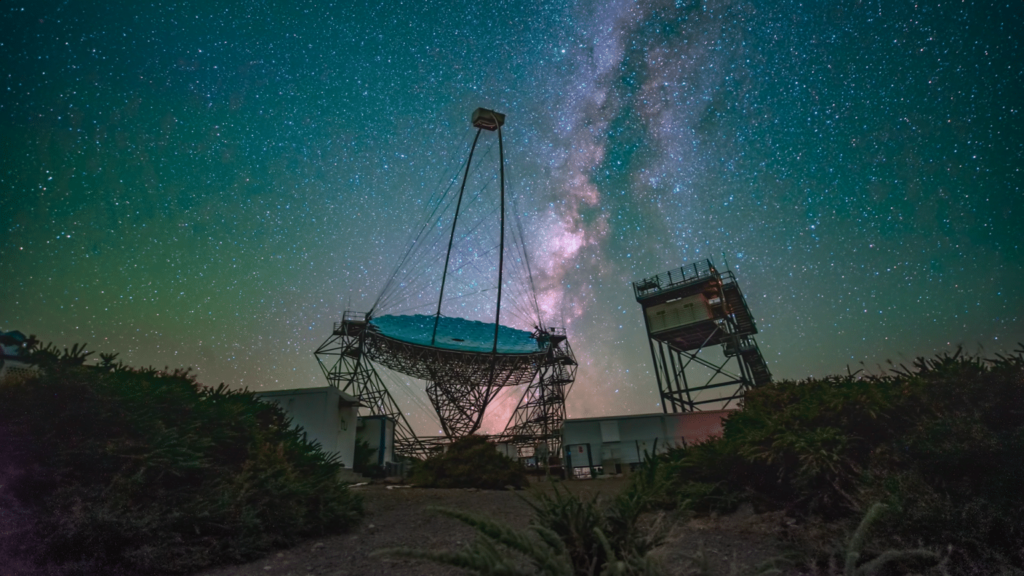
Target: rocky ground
399, 517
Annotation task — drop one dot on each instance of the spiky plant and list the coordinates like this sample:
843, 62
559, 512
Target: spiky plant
875, 566
567, 536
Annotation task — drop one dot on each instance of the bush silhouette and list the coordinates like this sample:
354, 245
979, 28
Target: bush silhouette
938, 443
469, 462
119, 469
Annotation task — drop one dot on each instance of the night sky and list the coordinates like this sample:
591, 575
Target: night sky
210, 184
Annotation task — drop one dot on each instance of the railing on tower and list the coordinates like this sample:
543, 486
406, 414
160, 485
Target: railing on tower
675, 278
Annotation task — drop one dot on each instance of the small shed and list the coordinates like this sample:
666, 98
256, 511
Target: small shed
379, 433
593, 446
326, 414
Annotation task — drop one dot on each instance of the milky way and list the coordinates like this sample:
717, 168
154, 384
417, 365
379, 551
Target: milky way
211, 184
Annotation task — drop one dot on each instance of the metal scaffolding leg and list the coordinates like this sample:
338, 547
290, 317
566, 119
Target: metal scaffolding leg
731, 370
537, 420
346, 368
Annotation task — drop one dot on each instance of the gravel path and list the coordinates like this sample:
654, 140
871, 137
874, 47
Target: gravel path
399, 517
395, 517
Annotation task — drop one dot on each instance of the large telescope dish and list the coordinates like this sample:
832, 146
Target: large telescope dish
462, 371
461, 354
456, 334
465, 363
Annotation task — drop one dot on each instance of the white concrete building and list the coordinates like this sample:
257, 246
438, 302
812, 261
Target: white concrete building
326, 414
609, 444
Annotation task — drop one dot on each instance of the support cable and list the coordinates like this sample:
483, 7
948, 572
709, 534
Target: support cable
423, 265
526, 259
414, 240
429, 224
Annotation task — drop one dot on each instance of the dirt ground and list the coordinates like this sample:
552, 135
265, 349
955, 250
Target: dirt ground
398, 517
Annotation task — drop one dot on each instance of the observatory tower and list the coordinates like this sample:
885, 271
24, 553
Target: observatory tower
701, 334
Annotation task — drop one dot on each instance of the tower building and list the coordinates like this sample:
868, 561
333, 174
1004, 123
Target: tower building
701, 335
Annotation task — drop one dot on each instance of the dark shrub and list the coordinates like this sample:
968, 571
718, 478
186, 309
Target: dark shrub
940, 444
470, 462
129, 470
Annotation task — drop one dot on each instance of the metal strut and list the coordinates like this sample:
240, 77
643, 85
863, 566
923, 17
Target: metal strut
451, 239
501, 243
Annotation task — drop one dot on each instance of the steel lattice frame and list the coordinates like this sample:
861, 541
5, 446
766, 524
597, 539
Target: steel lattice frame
347, 368
731, 327
460, 384
537, 420
730, 377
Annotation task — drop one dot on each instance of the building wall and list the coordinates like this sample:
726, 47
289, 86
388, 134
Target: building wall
13, 368
679, 312
623, 440
348, 418
510, 451
325, 416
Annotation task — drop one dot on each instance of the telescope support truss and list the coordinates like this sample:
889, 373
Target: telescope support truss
537, 420
346, 367
461, 382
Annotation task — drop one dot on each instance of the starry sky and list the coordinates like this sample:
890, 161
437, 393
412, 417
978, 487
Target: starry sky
210, 184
